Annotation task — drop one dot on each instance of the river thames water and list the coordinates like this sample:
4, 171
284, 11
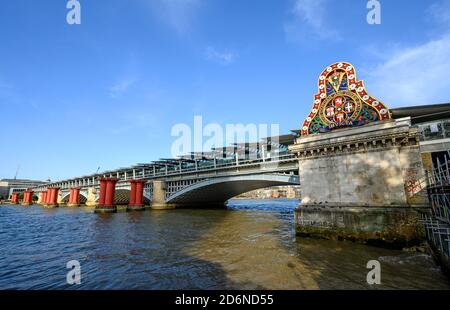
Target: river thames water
251, 245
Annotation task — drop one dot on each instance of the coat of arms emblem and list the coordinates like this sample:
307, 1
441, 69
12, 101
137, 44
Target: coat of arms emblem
342, 101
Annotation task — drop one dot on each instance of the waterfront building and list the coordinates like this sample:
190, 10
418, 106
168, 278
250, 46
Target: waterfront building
433, 122
10, 186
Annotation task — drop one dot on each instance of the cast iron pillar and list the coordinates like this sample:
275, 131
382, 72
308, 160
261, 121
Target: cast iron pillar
136, 195
74, 198
106, 203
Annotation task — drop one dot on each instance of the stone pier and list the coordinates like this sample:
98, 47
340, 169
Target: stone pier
159, 196
363, 184
361, 173
42, 198
91, 197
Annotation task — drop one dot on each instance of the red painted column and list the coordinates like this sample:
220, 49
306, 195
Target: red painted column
27, 198
110, 192
140, 193
132, 194
77, 196
44, 198
49, 196
70, 196
101, 200
137, 195
52, 201
55, 199
106, 201
15, 198
74, 198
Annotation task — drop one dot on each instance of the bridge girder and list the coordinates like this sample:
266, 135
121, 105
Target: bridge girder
219, 190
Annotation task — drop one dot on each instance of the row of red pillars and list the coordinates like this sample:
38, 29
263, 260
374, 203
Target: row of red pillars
106, 201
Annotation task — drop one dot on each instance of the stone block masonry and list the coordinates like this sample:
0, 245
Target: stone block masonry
363, 183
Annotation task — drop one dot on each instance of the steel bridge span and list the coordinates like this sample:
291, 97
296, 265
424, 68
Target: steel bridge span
173, 183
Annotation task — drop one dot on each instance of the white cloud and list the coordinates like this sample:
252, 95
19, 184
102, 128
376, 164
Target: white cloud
412, 76
121, 86
309, 21
178, 14
221, 57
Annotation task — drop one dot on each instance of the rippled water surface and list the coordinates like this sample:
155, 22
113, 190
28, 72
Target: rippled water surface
251, 245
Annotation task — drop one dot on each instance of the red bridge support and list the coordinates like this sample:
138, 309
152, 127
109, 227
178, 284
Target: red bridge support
136, 195
74, 198
27, 198
15, 198
44, 197
106, 203
52, 197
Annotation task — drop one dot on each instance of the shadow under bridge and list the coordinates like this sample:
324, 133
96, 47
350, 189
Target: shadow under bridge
216, 191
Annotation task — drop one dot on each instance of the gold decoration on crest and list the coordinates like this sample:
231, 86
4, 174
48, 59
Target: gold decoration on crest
335, 79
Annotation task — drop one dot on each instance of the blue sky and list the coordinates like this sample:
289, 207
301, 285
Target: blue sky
107, 92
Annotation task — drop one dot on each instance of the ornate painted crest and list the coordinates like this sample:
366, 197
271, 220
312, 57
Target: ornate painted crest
342, 101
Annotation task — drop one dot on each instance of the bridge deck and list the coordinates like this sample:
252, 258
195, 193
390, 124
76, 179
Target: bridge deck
208, 169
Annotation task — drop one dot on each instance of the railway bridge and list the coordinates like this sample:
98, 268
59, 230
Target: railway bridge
198, 180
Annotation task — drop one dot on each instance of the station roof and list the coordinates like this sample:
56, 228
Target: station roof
283, 139
423, 113
216, 152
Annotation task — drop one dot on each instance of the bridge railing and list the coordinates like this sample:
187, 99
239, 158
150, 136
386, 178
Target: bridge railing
439, 190
437, 233
437, 222
219, 166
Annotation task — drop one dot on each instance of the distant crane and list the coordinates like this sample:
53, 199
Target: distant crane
17, 172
